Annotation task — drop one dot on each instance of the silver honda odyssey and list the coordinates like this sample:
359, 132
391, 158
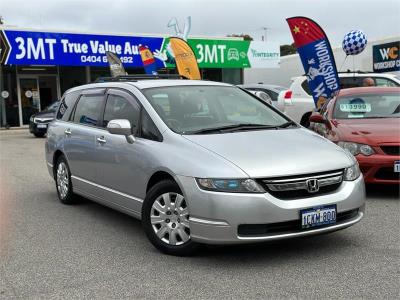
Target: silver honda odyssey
199, 162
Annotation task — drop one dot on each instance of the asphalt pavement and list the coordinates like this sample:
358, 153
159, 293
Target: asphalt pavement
53, 251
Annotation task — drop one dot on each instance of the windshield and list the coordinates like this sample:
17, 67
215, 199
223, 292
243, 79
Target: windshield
384, 105
192, 109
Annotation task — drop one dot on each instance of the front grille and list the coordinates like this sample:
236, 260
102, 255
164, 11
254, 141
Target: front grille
295, 187
391, 150
387, 174
42, 121
287, 227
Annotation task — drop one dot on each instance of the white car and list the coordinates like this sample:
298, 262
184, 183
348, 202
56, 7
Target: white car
270, 89
298, 103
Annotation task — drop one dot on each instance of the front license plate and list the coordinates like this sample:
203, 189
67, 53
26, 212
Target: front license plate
318, 216
42, 126
397, 166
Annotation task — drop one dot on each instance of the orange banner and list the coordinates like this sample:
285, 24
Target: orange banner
185, 59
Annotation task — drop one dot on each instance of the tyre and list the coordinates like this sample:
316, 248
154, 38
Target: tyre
165, 219
39, 134
63, 182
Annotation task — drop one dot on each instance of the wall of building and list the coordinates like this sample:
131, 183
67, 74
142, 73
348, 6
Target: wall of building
290, 66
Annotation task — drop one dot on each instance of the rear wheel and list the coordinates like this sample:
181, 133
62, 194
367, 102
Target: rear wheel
165, 219
63, 182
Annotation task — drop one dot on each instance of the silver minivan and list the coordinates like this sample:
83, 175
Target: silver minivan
199, 162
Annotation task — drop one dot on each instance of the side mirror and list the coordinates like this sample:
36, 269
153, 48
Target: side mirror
121, 127
263, 96
317, 118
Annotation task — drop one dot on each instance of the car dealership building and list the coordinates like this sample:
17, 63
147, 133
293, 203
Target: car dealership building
37, 67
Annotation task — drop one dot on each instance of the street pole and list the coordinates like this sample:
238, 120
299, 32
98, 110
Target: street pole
265, 33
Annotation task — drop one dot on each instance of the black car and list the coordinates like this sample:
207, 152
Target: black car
39, 121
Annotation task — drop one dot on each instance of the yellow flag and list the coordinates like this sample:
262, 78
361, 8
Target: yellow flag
185, 59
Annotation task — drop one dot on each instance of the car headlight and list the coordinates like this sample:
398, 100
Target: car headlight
32, 119
355, 148
230, 185
352, 173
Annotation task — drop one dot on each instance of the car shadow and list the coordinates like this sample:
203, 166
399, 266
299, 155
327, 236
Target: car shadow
384, 192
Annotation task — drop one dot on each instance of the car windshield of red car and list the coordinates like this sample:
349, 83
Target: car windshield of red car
385, 105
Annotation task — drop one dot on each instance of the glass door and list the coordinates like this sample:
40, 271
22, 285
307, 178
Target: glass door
30, 98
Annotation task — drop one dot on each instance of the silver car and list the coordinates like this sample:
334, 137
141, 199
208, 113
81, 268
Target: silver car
200, 162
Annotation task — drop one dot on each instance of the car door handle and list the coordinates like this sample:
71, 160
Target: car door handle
67, 131
101, 140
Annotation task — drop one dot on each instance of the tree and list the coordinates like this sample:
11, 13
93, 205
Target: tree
288, 49
245, 36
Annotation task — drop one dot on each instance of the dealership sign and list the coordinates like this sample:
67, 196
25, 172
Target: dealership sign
386, 57
71, 49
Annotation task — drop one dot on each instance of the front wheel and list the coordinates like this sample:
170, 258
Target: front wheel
165, 219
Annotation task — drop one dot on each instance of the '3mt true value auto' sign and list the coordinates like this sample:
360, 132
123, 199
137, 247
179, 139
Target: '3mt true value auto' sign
70, 49
19, 47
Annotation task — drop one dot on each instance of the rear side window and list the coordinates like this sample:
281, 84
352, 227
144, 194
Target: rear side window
88, 110
66, 106
117, 107
350, 82
306, 87
381, 81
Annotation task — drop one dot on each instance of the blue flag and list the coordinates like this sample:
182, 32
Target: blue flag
317, 58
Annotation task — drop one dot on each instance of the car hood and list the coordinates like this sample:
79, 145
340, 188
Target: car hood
273, 153
369, 131
45, 114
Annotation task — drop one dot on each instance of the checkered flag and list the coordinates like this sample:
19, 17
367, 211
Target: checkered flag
354, 42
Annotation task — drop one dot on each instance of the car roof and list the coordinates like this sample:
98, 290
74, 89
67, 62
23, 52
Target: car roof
149, 83
262, 85
355, 74
368, 90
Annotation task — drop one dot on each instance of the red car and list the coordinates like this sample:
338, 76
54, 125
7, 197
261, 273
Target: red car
365, 121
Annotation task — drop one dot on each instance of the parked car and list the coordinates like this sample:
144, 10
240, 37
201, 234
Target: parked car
297, 101
271, 89
38, 122
365, 121
200, 162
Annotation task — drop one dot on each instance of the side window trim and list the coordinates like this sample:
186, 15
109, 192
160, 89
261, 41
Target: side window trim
140, 131
59, 107
122, 93
72, 114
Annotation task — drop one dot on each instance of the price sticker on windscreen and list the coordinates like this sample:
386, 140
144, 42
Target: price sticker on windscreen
355, 108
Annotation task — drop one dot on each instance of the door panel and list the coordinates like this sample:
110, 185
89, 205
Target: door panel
80, 138
120, 164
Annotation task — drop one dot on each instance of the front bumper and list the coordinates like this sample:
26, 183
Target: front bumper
379, 168
34, 129
215, 217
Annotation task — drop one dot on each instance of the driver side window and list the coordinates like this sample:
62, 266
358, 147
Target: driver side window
118, 107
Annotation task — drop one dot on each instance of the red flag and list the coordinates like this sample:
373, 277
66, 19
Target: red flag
304, 31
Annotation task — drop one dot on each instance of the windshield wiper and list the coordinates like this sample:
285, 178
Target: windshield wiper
287, 124
231, 128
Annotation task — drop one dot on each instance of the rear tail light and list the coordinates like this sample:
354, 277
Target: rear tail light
288, 95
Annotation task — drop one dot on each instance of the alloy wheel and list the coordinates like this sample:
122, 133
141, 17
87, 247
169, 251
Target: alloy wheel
62, 180
169, 218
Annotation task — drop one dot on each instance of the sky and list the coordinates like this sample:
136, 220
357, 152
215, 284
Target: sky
377, 18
